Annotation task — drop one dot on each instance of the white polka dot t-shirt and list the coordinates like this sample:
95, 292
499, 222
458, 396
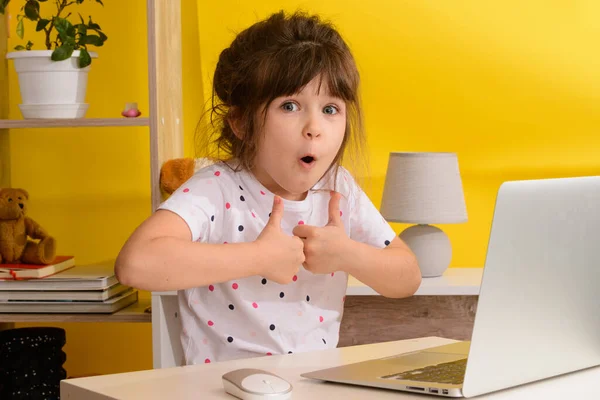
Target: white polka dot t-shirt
253, 316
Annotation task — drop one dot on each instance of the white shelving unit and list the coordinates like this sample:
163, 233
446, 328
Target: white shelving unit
165, 123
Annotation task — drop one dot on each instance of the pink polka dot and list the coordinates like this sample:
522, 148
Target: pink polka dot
186, 190
295, 278
235, 286
210, 323
341, 213
253, 214
207, 361
227, 206
217, 173
211, 288
225, 242
343, 299
261, 192
333, 273
269, 353
320, 319
254, 305
300, 222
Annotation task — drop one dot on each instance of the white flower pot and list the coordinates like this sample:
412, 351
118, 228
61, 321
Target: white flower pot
50, 89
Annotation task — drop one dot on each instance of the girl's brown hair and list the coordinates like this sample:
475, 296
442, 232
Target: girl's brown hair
272, 58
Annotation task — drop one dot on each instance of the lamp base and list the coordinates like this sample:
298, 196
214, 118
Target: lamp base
431, 246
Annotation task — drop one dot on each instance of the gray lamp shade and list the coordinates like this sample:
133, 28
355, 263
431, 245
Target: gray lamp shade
423, 188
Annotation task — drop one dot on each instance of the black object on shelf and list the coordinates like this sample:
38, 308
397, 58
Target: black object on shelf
31, 363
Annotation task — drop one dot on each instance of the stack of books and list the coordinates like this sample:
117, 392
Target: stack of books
63, 287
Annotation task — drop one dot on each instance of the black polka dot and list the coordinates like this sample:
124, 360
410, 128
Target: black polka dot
241, 188
281, 295
212, 217
272, 327
231, 307
242, 198
307, 298
240, 228
289, 352
230, 339
324, 341
264, 281
387, 242
269, 214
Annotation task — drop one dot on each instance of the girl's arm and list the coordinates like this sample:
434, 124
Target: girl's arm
160, 255
392, 271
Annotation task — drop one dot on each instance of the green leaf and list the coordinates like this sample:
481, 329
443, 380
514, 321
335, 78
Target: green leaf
79, 1
32, 10
19, 47
41, 1
93, 25
3, 5
84, 58
64, 28
94, 40
63, 52
81, 28
20, 29
41, 24
100, 1
29, 45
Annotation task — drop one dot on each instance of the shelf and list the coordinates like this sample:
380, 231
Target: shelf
72, 123
134, 313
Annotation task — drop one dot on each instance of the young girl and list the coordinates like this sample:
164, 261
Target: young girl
260, 243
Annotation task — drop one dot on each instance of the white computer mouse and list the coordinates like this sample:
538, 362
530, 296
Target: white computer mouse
256, 384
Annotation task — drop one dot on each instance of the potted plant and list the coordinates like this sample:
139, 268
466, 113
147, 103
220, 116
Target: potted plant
53, 81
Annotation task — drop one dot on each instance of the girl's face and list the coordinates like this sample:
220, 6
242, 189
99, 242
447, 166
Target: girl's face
301, 136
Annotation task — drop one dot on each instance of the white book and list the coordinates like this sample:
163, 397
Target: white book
67, 307
97, 276
81, 295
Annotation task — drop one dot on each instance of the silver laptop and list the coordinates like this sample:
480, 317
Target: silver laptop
537, 314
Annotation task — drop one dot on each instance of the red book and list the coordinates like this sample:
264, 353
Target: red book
28, 271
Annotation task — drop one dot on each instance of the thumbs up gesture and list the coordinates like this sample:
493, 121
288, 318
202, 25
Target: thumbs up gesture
324, 246
283, 252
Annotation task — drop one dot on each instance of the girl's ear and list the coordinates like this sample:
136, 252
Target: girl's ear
235, 122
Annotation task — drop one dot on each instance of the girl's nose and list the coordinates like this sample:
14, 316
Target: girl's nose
312, 134
312, 128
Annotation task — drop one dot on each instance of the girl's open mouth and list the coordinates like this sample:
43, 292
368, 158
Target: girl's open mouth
307, 161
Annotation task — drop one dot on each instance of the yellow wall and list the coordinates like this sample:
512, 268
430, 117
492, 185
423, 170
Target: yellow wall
512, 87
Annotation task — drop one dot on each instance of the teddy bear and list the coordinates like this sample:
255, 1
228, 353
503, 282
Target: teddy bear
174, 172
17, 231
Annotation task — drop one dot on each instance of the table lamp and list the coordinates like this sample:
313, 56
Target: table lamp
423, 189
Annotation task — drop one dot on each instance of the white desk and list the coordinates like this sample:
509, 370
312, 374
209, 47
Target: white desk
455, 282
204, 381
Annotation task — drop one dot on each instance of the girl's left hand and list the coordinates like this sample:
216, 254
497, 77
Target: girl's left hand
325, 247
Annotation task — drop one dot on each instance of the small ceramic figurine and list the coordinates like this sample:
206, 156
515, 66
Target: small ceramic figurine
131, 110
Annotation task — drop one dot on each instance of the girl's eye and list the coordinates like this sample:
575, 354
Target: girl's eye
330, 110
289, 106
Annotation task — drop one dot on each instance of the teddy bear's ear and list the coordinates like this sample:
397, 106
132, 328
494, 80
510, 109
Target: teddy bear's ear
174, 173
24, 192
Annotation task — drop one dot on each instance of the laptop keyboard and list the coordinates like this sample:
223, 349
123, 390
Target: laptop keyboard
451, 372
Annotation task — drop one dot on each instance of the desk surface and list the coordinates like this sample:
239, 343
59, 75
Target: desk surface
204, 381
454, 282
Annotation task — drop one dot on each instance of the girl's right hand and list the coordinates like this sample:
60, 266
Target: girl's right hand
284, 253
